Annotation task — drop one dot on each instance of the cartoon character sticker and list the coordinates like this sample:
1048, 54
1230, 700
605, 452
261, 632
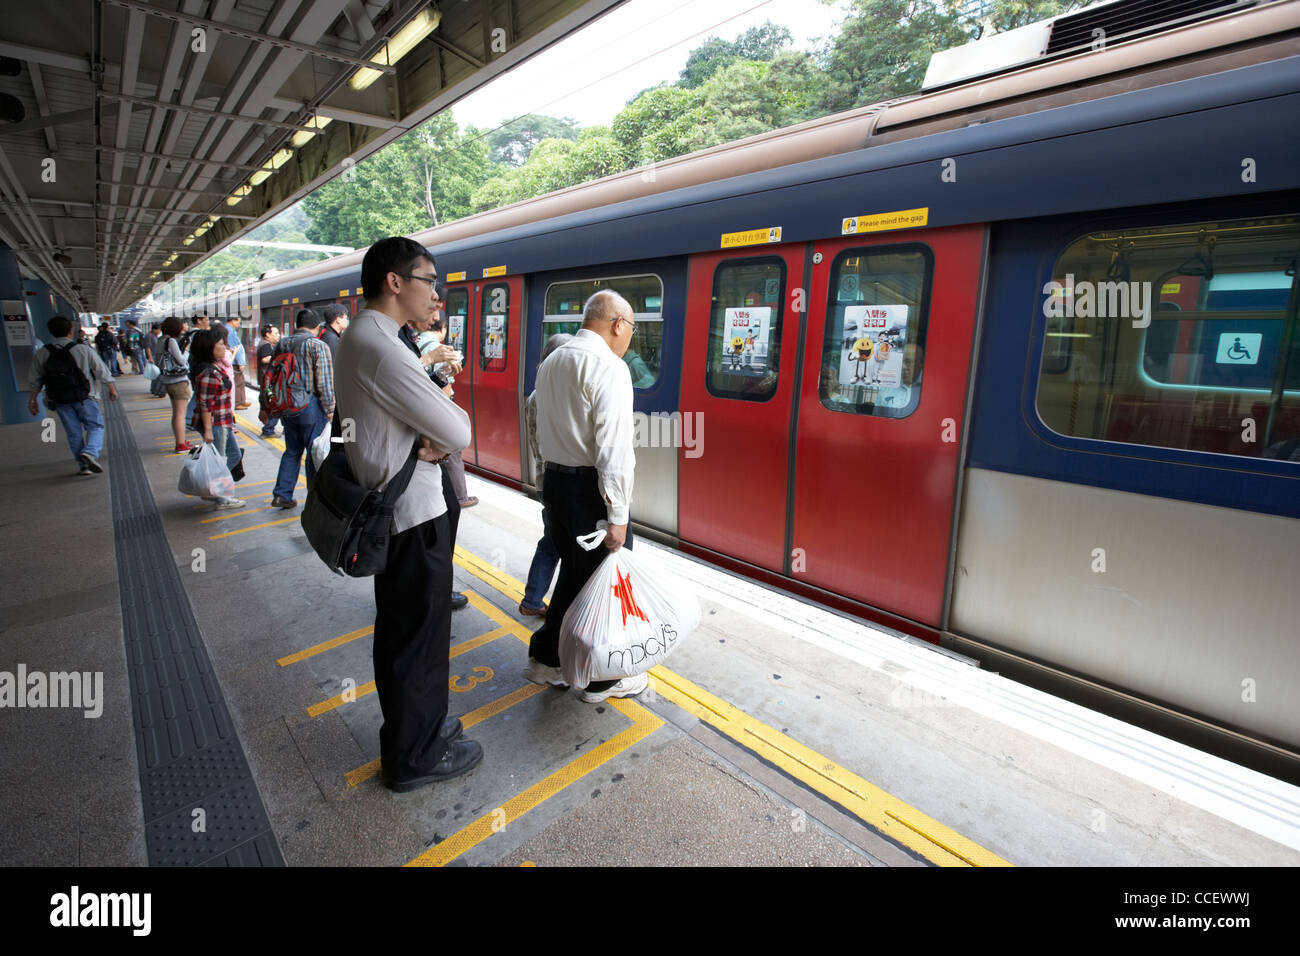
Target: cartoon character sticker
496, 336
745, 338
872, 348
456, 332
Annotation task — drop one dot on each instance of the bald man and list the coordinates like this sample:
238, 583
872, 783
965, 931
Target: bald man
584, 434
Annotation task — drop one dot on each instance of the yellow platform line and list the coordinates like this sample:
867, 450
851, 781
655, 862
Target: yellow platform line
252, 484
501, 704
276, 443
235, 514
891, 816
368, 687
926, 836
644, 723
269, 524
324, 646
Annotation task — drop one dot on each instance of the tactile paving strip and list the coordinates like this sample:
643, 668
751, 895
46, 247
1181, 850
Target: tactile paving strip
201, 806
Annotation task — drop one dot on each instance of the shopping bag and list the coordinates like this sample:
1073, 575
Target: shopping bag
628, 617
205, 475
320, 447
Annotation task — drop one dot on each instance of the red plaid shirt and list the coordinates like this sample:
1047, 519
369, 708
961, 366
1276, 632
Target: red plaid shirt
214, 395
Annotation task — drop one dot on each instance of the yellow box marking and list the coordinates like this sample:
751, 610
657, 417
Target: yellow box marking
324, 646
644, 723
369, 687
315, 710
477, 716
927, 837
236, 514
455, 277
491, 271
495, 577
254, 431
269, 524
885, 221
891, 816
751, 237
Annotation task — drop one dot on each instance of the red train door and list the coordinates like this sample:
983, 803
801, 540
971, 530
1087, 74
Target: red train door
880, 414
457, 308
496, 346
740, 353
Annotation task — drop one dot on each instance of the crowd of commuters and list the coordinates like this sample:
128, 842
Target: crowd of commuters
389, 371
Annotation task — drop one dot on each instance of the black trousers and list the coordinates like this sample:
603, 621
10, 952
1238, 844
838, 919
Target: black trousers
572, 504
412, 640
453, 504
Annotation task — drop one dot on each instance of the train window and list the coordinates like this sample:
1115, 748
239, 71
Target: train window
494, 325
566, 300
457, 308
874, 346
745, 328
1178, 336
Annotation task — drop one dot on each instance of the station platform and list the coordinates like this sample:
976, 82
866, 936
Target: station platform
238, 723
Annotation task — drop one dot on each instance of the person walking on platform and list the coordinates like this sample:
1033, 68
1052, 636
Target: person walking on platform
384, 389
336, 323
71, 375
314, 393
174, 374
238, 358
135, 346
106, 345
438, 354
584, 434
213, 390
545, 558
265, 352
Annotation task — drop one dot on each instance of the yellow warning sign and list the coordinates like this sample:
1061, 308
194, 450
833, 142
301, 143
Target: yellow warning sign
751, 237
494, 271
455, 277
885, 221
1171, 288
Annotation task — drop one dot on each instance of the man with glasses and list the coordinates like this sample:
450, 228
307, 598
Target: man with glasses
584, 434
384, 389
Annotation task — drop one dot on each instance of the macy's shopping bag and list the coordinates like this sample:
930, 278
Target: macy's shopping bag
205, 475
626, 619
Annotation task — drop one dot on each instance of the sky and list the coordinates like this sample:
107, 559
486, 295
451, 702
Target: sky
591, 75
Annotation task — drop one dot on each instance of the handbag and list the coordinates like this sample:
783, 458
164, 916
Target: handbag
347, 524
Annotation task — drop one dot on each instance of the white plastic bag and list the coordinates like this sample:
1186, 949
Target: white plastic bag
320, 448
206, 476
625, 620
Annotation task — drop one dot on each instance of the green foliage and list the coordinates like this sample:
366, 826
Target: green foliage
422, 179
511, 144
1009, 14
760, 43
884, 47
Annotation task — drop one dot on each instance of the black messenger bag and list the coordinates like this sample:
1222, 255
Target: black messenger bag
347, 524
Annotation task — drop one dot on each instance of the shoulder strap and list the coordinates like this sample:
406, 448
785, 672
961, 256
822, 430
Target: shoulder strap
397, 487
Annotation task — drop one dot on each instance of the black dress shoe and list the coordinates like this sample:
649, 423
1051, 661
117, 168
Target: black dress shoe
461, 757
458, 601
451, 729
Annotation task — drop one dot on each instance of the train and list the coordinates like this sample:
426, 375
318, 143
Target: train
1011, 365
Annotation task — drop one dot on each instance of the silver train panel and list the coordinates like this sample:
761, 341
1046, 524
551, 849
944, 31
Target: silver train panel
654, 491
1198, 606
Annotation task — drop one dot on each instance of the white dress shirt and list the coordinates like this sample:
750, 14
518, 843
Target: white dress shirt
584, 416
381, 386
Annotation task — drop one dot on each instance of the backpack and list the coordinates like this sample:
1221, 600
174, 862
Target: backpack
283, 383
65, 383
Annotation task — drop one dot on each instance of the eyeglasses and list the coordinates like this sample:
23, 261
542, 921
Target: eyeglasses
432, 280
618, 318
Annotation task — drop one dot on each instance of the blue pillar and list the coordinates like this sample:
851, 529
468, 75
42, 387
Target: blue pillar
19, 343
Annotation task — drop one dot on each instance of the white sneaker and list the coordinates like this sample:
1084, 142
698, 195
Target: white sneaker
540, 673
627, 687
230, 504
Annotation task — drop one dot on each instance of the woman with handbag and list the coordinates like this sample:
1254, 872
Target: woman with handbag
174, 376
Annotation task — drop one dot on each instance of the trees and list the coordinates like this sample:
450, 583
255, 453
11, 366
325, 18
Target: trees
511, 144
761, 43
422, 179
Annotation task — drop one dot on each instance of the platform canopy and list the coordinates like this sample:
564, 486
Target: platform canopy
137, 138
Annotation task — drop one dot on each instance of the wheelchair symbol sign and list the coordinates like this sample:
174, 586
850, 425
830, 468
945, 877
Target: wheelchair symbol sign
1239, 348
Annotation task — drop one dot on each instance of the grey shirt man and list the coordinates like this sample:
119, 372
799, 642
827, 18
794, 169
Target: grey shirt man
381, 386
